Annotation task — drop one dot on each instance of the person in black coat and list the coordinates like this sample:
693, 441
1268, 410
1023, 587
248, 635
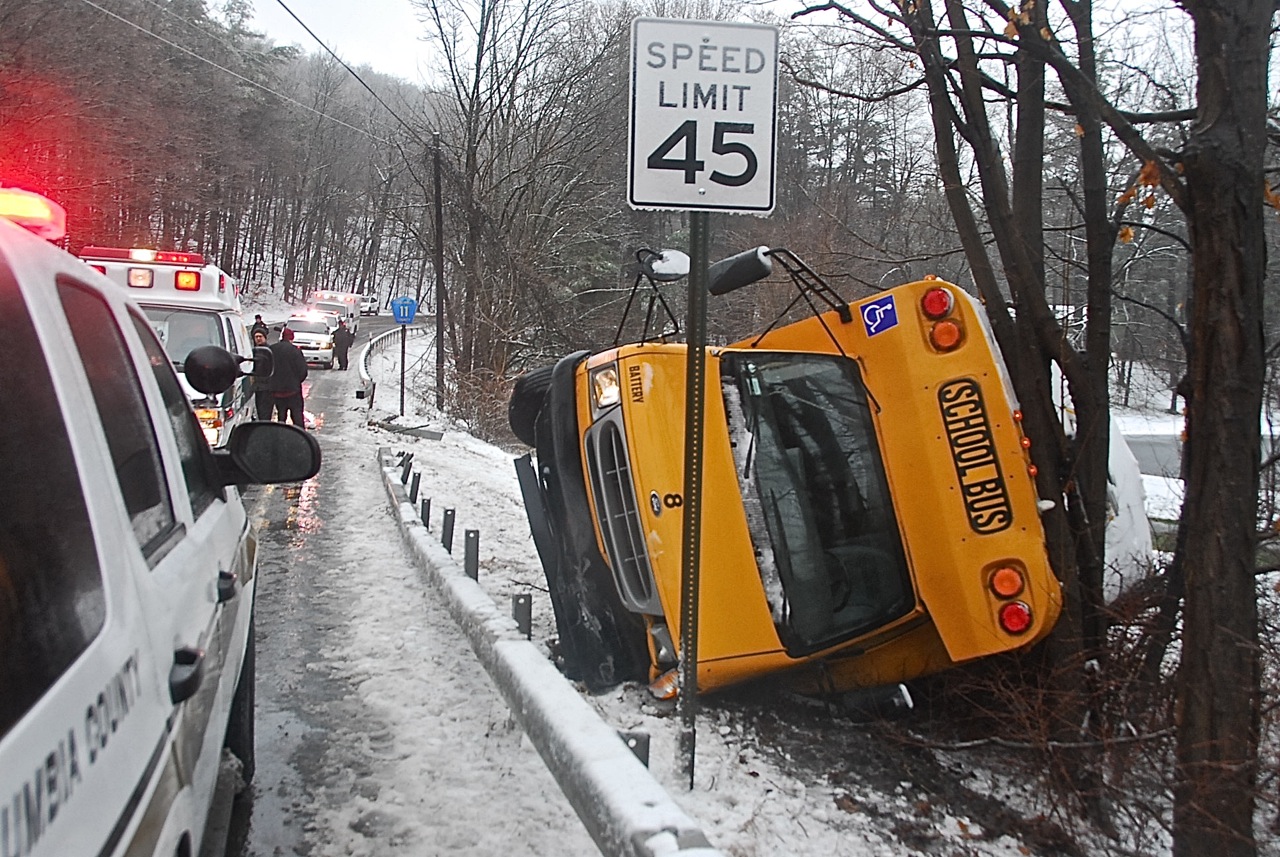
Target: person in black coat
263, 401
286, 381
343, 339
258, 326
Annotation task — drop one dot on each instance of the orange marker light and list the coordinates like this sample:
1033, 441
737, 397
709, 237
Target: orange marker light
945, 335
186, 281
1007, 582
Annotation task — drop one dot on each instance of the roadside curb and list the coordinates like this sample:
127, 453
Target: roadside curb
623, 807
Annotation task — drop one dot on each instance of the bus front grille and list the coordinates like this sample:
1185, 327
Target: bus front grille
618, 518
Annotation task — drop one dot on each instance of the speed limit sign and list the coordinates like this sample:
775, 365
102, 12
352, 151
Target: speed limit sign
703, 115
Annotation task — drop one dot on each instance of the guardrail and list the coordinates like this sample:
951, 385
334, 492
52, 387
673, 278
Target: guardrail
622, 806
379, 343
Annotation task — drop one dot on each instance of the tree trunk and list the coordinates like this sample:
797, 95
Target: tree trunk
1218, 682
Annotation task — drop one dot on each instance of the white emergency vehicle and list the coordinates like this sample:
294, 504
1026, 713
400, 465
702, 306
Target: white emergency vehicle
128, 568
313, 334
345, 304
190, 303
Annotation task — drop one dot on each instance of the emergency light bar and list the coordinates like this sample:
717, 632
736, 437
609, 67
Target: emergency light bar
141, 254
34, 212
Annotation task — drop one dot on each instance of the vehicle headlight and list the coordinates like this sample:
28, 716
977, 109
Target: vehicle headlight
604, 386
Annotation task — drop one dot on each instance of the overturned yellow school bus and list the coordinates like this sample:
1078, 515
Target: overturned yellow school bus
869, 513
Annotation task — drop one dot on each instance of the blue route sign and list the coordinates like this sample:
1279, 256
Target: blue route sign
403, 310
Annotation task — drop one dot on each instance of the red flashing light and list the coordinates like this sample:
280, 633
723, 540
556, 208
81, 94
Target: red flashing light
141, 254
1015, 617
186, 281
937, 303
33, 212
101, 269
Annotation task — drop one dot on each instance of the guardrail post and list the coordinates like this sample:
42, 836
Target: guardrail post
638, 743
471, 561
426, 512
413, 488
405, 465
446, 530
522, 612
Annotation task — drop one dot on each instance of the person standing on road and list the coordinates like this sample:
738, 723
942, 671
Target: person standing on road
263, 400
258, 325
285, 382
343, 339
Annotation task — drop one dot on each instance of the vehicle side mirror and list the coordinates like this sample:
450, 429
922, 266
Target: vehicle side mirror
211, 369
264, 362
665, 266
739, 270
264, 453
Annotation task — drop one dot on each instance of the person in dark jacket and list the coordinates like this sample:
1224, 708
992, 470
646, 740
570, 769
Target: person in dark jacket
343, 339
258, 325
263, 401
286, 381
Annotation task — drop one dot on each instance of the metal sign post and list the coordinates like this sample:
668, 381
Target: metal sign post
703, 120
403, 310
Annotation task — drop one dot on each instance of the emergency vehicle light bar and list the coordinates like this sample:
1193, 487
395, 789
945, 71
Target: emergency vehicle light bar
34, 212
141, 254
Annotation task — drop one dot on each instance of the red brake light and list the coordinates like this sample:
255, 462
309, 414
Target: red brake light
937, 303
33, 212
186, 281
1015, 617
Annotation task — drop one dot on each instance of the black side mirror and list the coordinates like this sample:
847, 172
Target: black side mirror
211, 369
264, 362
263, 453
739, 270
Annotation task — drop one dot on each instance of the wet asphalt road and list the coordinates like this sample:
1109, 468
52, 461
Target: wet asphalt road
339, 770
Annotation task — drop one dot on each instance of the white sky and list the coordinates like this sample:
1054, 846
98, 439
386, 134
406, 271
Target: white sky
745, 804
383, 34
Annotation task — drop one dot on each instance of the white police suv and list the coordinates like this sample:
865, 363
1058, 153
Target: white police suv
127, 565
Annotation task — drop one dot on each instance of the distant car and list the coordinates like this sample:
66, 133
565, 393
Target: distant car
313, 335
128, 568
368, 304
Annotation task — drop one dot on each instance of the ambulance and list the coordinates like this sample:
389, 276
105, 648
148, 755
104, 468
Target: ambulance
345, 304
190, 302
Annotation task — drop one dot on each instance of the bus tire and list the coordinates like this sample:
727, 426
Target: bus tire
527, 398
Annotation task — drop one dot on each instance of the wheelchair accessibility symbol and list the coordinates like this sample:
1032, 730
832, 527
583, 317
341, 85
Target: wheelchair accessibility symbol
879, 316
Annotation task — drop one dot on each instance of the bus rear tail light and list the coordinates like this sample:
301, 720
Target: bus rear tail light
946, 336
1007, 582
186, 281
937, 303
1015, 617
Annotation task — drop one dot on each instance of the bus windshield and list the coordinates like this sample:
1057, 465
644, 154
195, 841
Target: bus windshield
817, 500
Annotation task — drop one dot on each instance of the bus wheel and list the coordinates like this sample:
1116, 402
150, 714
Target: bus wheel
526, 402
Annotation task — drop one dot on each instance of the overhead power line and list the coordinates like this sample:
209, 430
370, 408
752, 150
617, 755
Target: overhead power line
247, 80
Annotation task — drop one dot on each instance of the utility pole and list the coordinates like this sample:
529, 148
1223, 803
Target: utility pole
439, 281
